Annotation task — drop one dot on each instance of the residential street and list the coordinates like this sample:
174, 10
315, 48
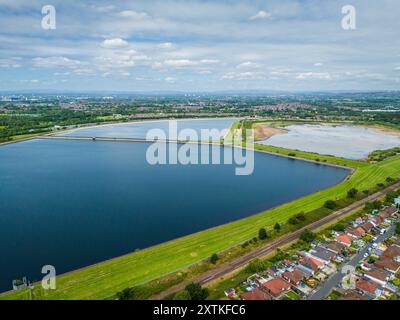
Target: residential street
229, 268
336, 279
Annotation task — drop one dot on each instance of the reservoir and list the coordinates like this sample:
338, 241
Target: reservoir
346, 141
74, 203
140, 129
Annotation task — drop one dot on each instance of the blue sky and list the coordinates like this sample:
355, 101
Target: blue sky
193, 45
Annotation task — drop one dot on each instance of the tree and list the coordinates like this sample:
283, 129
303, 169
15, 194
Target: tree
390, 180
182, 295
262, 234
124, 294
398, 228
277, 227
301, 216
293, 221
339, 227
196, 292
330, 204
308, 236
214, 258
352, 193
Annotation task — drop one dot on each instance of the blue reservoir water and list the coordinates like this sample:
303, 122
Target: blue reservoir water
74, 203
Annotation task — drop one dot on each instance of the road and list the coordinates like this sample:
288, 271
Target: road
228, 268
336, 279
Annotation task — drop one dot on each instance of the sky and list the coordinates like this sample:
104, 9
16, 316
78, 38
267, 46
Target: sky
199, 45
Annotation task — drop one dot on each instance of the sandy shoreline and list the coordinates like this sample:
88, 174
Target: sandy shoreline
263, 131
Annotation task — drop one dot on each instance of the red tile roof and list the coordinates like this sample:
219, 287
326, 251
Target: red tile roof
311, 263
352, 295
276, 286
367, 226
367, 286
344, 238
388, 264
377, 274
256, 294
392, 252
357, 232
295, 276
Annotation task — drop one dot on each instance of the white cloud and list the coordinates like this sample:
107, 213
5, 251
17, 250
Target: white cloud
9, 63
114, 43
244, 76
133, 14
170, 79
261, 15
314, 75
182, 63
55, 62
318, 64
248, 64
166, 45
397, 68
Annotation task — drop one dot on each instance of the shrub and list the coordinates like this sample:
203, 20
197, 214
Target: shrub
214, 258
262, 234
256, 266
330, 204
352, 193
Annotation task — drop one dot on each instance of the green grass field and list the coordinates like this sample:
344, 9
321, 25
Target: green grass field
104, 280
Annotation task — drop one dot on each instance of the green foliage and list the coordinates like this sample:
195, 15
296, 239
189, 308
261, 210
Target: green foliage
352, 193
308, 236
134, 293
196, 292
183, 296
214, 258
398, 228
256, 265
370, 206
330, 204
277, 227
262, 234
339, 227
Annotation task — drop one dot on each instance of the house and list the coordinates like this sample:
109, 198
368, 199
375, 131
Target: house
393, 252
294, 277
376, 220
356, 232
387, 212
256, 294
276, 287
311, 263
334, 247
344, 239
368, 287
379, 276
367, 226
353, 295
322, 255
272, 271
388, 264
230, 293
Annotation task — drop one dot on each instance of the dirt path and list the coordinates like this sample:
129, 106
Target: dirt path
233, 266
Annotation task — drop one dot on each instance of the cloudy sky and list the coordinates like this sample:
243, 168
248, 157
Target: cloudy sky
199, 45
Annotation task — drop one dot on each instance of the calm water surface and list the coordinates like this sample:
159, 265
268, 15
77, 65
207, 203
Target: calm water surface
342, 141
140, 129
74, 203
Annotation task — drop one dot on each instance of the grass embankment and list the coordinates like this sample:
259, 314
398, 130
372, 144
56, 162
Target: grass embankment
104, 280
